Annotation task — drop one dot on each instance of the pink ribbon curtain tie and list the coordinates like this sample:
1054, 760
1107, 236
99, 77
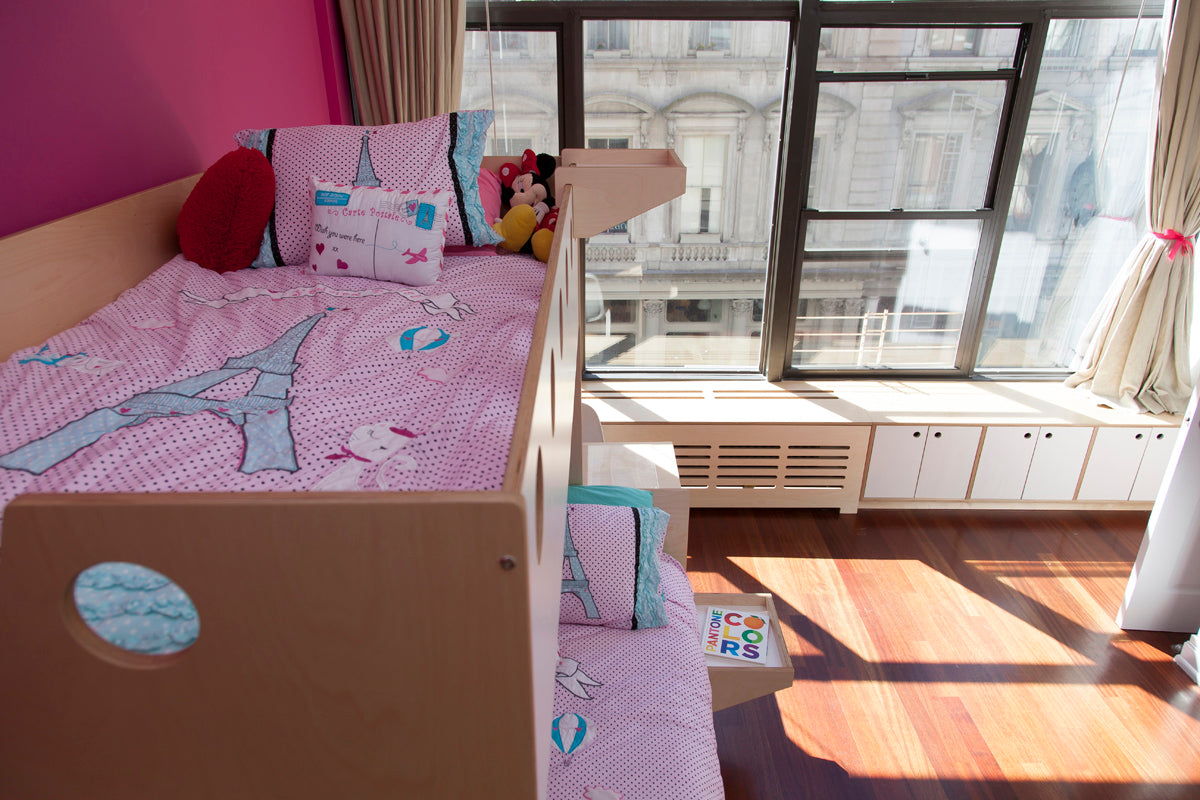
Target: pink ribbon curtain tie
1181, 242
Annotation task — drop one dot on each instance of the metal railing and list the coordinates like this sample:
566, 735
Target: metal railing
879, 338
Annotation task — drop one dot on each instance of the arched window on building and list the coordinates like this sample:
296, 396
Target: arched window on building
708, 131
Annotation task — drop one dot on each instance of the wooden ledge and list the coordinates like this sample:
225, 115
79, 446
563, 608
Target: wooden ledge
735, 682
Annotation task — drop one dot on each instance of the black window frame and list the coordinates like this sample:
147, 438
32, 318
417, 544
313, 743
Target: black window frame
807, 19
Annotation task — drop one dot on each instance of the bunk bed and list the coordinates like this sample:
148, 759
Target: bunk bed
352, 643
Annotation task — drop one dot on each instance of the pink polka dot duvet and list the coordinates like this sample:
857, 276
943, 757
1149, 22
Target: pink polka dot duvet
277, 380
633, 708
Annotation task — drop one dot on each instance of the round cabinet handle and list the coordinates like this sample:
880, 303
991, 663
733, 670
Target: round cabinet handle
1049, 435
1138, 437
916, 434
937, 435
1029, 436
1159, 436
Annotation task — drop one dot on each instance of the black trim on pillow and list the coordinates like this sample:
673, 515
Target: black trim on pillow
273, 236
468, 239
637, 563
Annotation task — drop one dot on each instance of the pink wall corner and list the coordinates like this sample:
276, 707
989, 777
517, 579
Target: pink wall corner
115, 97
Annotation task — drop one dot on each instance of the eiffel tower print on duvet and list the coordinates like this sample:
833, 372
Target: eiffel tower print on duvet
262, 413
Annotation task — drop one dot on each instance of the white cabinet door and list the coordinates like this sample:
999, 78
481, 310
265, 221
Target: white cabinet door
1150, 475
895, 461
1113, 465
947, 462
1003, 463
1057, 461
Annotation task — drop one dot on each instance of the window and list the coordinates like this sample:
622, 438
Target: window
1078, 205
709, 36
916, 49
918, 121
608, 143
607, 35
704, 157
1064, 37
926, 143
932, 169
505, 43
498, 146
523, 119
953, 41
695, 267
886, 279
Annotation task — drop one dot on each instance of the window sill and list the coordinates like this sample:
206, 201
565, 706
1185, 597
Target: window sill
967, 402
699, 238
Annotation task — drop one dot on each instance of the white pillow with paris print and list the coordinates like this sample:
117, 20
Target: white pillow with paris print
384, 234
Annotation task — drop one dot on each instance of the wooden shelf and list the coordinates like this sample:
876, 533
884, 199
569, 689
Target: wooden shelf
644, 465
612, 186
736, 682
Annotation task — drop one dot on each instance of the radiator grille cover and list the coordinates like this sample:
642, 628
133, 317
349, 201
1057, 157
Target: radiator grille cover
801, 466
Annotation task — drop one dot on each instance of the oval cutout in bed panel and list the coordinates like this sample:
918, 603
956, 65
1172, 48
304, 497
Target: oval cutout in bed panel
131, 615
540, 499
553, 393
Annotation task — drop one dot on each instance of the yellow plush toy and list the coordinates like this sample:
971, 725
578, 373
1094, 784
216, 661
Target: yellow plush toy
528, 225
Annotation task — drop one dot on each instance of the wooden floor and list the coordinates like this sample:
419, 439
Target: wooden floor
948, 654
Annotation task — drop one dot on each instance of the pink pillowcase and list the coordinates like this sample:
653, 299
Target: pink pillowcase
612, 579
440, 153
489, 194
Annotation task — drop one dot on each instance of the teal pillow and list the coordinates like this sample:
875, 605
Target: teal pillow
610, 496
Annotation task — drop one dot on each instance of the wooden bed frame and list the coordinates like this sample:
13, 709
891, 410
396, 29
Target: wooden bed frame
307, 679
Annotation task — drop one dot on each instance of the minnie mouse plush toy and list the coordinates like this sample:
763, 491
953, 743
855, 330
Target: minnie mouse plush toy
528, 225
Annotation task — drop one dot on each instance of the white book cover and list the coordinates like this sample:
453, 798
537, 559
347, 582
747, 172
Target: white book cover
741, 635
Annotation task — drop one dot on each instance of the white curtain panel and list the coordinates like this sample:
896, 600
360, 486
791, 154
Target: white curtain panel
1135, 349
405, 57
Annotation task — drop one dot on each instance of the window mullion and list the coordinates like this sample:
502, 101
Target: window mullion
570, 100
992, 233
783, 274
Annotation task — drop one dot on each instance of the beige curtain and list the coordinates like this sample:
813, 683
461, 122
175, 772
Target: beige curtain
406, 57
1135, 351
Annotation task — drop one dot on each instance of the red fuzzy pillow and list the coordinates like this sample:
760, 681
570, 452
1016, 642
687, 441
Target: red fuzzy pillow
221, 223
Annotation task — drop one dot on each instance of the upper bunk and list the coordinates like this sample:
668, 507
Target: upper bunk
289, 583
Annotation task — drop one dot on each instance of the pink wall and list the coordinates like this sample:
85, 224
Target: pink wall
108, 97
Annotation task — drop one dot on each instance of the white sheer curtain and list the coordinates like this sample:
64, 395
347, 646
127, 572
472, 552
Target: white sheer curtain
1135, 350
405, 56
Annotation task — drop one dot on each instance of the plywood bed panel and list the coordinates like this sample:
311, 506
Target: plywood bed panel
338, 695
311, 676
57, 274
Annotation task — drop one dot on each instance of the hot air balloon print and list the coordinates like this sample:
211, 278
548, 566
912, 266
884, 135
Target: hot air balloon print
418, 340
571, 733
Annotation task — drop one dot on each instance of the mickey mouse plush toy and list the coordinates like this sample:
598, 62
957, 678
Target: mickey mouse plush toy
528, 225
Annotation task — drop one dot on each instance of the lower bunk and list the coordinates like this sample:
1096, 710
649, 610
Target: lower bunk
632, 703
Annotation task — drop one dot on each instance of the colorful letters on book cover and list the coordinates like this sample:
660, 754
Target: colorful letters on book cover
740, 635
